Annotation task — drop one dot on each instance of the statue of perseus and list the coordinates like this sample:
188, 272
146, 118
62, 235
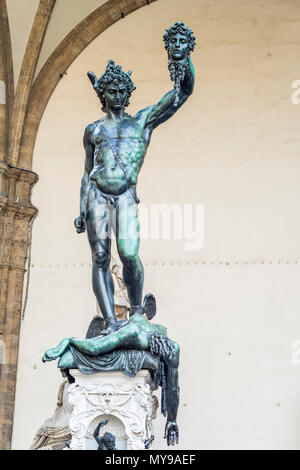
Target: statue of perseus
115, 148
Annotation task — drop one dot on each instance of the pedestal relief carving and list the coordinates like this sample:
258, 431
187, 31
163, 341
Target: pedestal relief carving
55, 432
127, 401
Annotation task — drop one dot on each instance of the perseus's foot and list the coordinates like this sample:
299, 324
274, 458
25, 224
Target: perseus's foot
113, 327
149, 306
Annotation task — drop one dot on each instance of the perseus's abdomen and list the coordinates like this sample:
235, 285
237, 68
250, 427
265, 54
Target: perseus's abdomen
108, 173
110, 180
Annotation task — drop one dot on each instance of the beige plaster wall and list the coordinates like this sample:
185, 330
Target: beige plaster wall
233, 306
66, 15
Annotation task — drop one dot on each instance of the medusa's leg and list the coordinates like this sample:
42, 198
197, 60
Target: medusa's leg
66, 361
125, 337
53, 353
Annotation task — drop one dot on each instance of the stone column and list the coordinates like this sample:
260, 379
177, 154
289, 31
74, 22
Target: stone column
16, 214
3, 126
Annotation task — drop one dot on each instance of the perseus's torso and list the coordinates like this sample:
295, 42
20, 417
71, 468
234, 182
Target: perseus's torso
126, 139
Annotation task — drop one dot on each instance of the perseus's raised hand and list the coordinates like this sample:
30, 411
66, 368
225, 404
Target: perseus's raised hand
171, 433
80, 224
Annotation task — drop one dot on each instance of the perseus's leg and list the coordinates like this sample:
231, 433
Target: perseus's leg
98, 223
128, 241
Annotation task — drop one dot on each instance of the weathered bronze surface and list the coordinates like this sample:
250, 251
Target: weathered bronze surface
138, 335
115, 148
108, 441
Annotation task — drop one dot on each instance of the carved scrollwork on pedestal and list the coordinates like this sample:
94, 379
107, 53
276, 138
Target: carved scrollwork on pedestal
130, 400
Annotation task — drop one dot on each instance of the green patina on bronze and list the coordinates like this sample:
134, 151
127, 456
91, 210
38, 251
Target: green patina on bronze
138, 335
115, 148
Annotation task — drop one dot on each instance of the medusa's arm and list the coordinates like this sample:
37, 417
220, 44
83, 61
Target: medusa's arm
172, 397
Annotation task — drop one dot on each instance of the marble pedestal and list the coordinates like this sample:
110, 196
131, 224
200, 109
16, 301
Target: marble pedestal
128, 403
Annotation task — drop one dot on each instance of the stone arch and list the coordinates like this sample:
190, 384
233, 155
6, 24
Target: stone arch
115, 427
59, 61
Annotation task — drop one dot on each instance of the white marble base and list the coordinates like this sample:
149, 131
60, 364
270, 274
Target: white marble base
127, 402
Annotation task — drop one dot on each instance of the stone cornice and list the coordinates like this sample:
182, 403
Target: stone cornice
12, 267
18, 174
20, 209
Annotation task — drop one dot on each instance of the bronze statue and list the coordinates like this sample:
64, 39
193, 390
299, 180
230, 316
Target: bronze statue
138, 335
115, 148
108, 441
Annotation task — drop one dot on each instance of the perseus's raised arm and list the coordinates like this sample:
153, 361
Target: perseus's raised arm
171, 101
